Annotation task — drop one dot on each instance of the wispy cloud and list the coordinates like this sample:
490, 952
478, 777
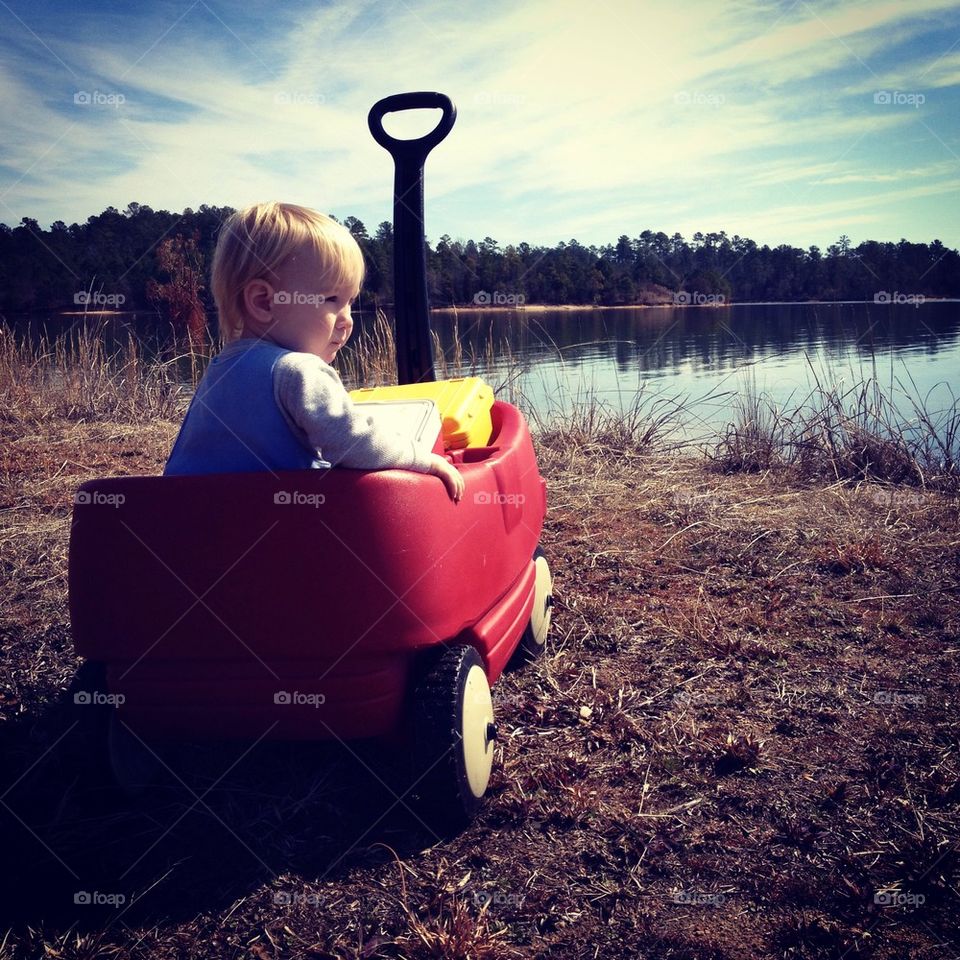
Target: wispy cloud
755, 117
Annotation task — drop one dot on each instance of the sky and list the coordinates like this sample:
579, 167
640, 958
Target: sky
786, 122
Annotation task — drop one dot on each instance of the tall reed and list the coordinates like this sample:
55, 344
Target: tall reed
370, 357
862, 430
858, 430
74, 376
648, 420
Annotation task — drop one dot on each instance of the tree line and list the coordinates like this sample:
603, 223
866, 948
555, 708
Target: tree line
145, 259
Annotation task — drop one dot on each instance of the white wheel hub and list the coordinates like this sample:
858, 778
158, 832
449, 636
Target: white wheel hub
542, 608
477, 721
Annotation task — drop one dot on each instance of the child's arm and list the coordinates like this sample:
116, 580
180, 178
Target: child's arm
449, 474
322, 413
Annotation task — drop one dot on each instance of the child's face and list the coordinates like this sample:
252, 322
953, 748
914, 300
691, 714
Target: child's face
308, 316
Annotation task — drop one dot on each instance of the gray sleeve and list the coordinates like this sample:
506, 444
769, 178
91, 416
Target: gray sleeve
315, 403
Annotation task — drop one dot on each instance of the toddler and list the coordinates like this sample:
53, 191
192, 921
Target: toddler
284, 278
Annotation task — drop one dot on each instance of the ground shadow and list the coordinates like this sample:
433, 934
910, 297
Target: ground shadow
223, 820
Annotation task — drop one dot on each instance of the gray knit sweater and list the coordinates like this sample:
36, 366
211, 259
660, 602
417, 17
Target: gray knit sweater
314, 401
262, 407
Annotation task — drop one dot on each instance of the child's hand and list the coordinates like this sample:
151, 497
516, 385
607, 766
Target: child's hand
452, 480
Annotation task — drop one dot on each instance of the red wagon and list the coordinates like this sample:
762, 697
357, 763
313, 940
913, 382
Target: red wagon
318, 604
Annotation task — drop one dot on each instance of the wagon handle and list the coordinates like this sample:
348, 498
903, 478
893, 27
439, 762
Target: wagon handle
411, 150
411, 303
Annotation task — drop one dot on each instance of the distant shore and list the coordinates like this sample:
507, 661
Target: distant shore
551, 307
713, 305
567, 307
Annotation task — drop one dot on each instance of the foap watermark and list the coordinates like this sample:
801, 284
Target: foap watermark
699, 899
97, 498
292, 898
97, 98
485, 496
897, 98
699, 98
296, 498
295, 298
894, 698
897, 898
96, 898
689, 504
497, 898
702, 698
97, 698
299, 98
884, 296
693, 298
84, 298
286, 698
484, 298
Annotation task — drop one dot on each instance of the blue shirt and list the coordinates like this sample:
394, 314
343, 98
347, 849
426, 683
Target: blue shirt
234, 424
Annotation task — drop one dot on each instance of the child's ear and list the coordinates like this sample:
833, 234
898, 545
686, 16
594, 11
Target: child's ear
258, 301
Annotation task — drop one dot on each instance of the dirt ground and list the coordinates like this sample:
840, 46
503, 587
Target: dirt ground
741, 743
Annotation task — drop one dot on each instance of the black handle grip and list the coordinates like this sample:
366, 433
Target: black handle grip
411, 149
411, 302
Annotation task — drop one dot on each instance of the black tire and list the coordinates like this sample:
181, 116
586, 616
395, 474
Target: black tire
133, 765
91, 720
454, 732
533, 641
107, 755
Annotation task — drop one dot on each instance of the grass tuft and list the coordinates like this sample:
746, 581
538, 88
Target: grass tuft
851, 433
75, 377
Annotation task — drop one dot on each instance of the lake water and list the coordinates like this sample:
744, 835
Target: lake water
703, 357
700, 357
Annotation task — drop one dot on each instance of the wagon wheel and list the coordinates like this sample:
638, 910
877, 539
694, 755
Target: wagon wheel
533, 641
91, 720
108, 756
133, 767
454, 734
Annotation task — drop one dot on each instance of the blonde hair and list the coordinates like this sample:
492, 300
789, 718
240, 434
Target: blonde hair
255, 241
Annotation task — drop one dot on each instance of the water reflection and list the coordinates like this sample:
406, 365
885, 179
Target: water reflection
662, 339
781, 349
553, 356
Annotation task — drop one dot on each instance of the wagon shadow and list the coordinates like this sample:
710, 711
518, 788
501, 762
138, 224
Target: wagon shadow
225, 821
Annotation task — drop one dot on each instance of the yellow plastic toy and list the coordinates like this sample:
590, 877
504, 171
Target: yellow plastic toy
464, 404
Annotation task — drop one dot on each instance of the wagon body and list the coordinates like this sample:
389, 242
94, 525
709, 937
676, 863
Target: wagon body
295, 604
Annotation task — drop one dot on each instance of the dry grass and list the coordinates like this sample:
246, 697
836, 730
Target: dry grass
369, 359
649, 424
74, 377
742, 735
849, 433
861, 431
741, 742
